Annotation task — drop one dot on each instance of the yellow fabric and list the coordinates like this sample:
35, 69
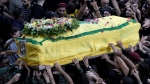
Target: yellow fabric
64, 51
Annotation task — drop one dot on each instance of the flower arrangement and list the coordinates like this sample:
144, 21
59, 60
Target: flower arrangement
50, 27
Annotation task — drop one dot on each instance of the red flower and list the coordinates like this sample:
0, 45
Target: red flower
23, 37
106, 23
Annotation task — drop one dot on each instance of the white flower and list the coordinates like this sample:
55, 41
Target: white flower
29, 26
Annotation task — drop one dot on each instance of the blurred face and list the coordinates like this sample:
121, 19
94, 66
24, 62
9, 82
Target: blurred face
104, 3
128, 12
61, 11
25, 3
16, 34
106, 13
86, 12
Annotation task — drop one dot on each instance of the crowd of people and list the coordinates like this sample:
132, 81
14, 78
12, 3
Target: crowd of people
124, 66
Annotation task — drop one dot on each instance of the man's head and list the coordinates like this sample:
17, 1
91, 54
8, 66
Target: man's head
26, 3
70, 8
106, 11
104, 3
129, 12
14, 32
61, 9
86, 11
135, 57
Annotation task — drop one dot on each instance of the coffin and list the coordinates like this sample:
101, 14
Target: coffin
89, 39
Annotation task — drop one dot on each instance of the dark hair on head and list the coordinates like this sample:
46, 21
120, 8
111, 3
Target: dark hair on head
70, 68
127, 80
121, 4
17, 13
70, 8
13, 30
114, 77
143, 69
108, 9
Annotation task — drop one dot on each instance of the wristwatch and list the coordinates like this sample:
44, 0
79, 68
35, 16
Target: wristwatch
89, 67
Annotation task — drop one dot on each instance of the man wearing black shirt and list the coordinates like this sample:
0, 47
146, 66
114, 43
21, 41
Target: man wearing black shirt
37, 11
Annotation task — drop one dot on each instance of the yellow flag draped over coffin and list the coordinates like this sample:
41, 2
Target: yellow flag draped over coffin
88, 39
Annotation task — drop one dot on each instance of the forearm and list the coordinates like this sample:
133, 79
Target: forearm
116, 7
97, 13
113, 64
128, 62
67, 77
9, 82
8, 15
51, 78
123, 66
94, 72
139, 80
135, 18
81, 12
146, 48
8, 43
138, 14
142, 50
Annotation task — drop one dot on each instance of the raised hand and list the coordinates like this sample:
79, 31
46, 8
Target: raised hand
135, 73
134, 7
105, 56
146, 23
38, 74
46, 77
86, 61
58, 67
131, 48
119, 53
76, 62
113, 47
94, 4
15, 78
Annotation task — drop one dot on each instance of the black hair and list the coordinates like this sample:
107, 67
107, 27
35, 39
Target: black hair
50, 14
17, 13
127, 80
143, 69
108, 9
13, 30
114, 77
121, 4
70, 8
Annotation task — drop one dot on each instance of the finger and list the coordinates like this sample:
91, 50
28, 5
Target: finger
18, 78
73, 60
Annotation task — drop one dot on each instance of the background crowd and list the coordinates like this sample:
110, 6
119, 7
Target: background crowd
126, 66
